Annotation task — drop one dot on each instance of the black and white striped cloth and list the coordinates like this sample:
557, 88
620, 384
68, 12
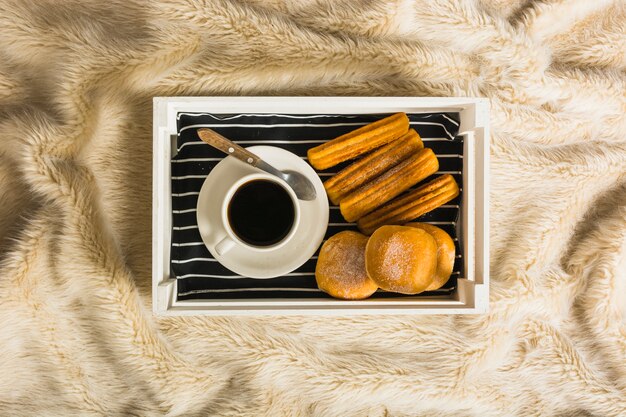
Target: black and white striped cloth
201, 276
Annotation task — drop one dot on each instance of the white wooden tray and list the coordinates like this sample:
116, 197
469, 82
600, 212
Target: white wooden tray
472, 291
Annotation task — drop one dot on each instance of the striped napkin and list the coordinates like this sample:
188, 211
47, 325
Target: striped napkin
201, 276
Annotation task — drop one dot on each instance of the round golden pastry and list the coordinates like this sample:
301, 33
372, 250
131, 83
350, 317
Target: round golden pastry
340, 269
401, 259
446, 253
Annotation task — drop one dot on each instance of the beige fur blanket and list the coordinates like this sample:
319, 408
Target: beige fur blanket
76, 85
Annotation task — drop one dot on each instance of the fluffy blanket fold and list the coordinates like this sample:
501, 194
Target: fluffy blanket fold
76, 85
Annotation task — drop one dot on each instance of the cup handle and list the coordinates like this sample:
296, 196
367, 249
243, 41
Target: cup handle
224, 245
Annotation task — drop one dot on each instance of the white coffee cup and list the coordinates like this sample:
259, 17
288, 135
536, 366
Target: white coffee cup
231, 239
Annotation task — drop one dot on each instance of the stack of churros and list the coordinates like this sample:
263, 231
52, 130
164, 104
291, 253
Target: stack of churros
369, 191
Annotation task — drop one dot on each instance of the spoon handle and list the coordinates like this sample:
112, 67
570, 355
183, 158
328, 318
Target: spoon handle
231, 148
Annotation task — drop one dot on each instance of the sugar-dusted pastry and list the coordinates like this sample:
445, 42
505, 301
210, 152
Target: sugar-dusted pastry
411, 205
340, 269
401, 259
446, 253
359, 141
372, 165
390, 184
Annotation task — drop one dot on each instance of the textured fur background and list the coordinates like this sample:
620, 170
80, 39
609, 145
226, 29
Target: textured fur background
77, 335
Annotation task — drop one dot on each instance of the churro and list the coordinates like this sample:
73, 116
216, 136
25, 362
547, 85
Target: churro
359, 141
411, 205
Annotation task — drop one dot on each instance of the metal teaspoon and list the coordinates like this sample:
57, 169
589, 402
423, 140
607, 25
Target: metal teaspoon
301, 185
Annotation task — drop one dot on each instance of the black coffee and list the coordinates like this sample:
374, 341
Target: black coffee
261, 213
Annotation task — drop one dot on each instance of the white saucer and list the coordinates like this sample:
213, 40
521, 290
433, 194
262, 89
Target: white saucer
247, 262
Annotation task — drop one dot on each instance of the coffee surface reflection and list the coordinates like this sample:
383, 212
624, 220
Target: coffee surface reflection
261, 213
